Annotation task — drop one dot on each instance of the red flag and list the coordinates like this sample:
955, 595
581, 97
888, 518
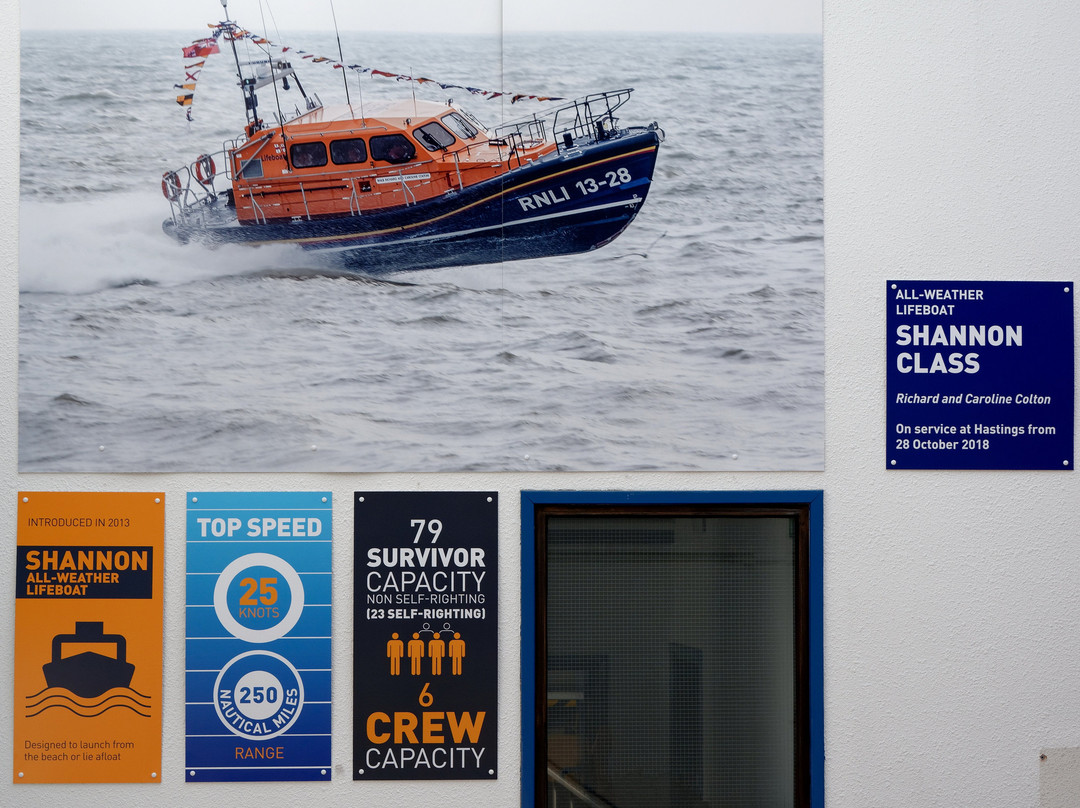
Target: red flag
200, 48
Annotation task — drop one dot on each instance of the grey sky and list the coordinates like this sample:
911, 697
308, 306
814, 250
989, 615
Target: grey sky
757, 16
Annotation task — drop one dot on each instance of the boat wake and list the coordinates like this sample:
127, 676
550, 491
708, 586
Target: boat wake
300, 273
84, 246
52, 698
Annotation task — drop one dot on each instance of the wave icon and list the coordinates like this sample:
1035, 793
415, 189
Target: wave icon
59, 698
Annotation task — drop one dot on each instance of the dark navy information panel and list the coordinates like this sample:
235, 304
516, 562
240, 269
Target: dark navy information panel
425, 618
980, 375
258, 636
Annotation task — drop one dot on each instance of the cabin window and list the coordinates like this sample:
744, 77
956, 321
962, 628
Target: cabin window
308, 155
346, 152
392, 149
434, 136
251, 169
462, 127
672, 649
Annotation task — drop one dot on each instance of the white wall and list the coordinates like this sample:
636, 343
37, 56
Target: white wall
952, 618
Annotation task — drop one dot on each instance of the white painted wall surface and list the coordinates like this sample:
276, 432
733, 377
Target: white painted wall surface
952, 620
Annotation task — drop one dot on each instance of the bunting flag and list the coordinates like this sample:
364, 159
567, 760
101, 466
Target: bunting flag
201, 48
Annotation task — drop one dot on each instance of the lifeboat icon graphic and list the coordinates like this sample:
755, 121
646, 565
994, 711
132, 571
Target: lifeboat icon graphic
89, 674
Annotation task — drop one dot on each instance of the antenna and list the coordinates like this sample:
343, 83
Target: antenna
273, 80
341, 57
413, 84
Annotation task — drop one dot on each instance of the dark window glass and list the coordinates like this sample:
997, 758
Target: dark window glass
252, 169
392, 148
434, 136
672, 657
308, 155
463, 128
346, 152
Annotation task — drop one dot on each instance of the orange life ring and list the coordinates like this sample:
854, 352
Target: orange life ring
204, 168
170, 185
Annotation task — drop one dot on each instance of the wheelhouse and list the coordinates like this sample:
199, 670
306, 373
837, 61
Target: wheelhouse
332, 162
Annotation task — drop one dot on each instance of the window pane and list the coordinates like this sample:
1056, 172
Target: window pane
252, 169
392, 148
308, 155
434, 136
671, 659
346, 152
463, 128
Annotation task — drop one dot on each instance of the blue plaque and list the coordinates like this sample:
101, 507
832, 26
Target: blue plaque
258, 636
980, 375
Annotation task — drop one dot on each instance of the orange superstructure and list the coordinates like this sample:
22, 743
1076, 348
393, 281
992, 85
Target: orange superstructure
335, 161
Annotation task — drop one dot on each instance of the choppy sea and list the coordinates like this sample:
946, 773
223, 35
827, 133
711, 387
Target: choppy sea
695, 341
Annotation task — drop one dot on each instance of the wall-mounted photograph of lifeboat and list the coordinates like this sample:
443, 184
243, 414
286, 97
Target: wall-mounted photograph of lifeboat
411, 184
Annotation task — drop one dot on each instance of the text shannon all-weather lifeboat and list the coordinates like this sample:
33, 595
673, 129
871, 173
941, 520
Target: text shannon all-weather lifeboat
412, 184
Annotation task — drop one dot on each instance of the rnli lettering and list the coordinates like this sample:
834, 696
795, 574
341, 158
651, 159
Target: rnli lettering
552, 196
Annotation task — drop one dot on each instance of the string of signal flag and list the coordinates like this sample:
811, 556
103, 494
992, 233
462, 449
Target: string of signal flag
202, 48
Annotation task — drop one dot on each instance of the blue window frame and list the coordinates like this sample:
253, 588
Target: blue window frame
584, 734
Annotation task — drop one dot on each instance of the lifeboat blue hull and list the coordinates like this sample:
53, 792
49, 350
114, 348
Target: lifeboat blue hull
570, 202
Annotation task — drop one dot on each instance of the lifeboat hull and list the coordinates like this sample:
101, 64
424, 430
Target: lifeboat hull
569, 202
88, 674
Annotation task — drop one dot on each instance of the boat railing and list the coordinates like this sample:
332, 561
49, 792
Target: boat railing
590, 118
519, 135
354, 198
312, 103
190, 189
404, 181
565, 792
256, 208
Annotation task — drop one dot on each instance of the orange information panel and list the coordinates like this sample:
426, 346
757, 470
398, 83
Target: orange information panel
88, 622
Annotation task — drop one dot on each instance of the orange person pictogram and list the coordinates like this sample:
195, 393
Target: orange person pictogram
395, 650
436, 650
416, 653
457, 653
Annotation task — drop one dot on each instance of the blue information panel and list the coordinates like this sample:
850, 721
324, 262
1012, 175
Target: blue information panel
980, 375
258, 636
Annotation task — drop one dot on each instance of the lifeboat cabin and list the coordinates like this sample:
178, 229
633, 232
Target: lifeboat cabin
332, 163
